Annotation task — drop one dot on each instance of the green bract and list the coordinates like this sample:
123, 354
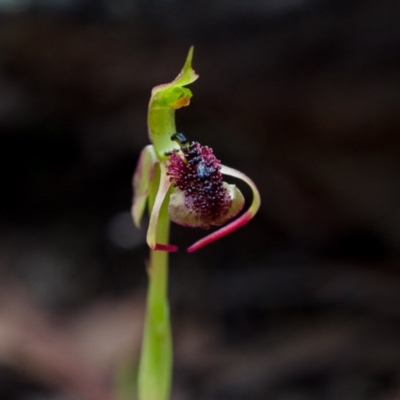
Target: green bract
165, 99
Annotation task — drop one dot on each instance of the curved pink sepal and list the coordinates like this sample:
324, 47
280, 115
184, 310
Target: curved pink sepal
155, 213
237, 223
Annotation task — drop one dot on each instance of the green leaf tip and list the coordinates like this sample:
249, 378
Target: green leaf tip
187, 75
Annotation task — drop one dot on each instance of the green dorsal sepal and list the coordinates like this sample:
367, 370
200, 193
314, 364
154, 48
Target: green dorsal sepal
165, 99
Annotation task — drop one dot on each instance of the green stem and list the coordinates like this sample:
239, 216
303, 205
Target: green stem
155, 368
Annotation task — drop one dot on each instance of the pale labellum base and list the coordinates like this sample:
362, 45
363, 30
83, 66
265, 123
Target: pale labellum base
181, 211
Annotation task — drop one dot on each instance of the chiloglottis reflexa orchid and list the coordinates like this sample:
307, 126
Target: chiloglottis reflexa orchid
184, 176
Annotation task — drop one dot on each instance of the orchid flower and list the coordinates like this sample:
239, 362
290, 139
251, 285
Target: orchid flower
179, 181
190, 178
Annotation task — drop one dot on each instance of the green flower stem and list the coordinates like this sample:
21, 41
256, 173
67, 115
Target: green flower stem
155, 368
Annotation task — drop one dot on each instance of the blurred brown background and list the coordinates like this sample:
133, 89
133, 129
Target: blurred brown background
303, 96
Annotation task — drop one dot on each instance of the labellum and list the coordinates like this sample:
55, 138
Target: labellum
201, 199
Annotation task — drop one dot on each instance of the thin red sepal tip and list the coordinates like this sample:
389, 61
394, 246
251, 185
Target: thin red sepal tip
166, 247
236, 224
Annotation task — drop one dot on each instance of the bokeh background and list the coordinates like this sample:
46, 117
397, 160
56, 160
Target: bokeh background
303, 96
